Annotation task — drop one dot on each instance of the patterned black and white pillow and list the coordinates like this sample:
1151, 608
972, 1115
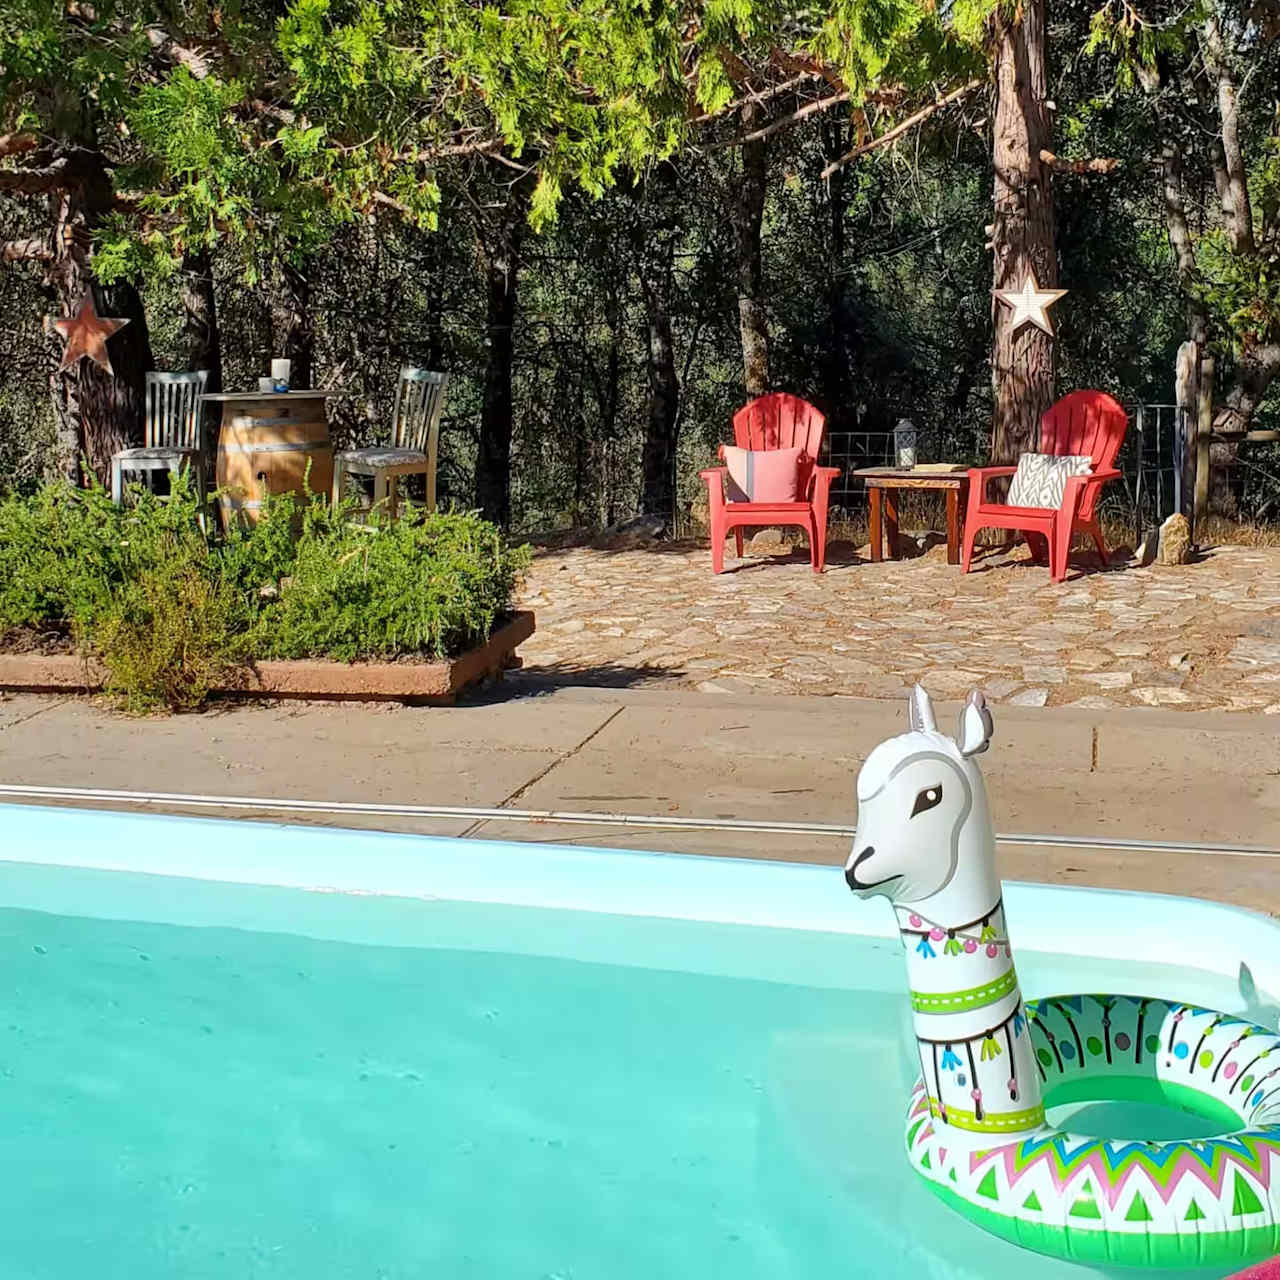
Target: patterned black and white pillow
1041, 478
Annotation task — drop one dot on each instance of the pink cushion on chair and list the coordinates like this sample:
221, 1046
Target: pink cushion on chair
763, 475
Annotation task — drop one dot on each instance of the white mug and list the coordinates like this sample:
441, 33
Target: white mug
280, 374
266, 385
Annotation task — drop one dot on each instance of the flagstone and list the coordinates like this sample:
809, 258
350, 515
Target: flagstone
1108, 679
1045, 675
1089, 658
1030, 698
1197, 635
1162, 696
1130, 649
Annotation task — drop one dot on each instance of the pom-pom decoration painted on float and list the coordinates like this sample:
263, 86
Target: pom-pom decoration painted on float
990, 1062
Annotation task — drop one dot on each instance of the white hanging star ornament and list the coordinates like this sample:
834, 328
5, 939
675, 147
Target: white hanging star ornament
1030, 304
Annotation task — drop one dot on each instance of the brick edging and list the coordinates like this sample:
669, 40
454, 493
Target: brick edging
429, 682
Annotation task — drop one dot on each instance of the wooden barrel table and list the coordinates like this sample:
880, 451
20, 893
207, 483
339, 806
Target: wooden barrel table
270, 443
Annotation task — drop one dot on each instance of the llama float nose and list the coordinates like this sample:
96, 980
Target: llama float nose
851, 871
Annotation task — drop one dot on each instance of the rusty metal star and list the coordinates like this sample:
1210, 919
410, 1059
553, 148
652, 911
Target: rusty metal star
86, 334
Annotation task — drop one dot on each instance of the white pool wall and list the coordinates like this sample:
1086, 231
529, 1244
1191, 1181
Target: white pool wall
1067, 920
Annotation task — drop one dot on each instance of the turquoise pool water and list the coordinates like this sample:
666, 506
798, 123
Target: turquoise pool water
316, 1085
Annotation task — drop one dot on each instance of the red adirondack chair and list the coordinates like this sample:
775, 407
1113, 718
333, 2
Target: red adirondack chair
1084, 422
775, 421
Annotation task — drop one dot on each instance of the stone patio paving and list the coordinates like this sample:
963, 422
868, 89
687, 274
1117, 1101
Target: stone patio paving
1200, 636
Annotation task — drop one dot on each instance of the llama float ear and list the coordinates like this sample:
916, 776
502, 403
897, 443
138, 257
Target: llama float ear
973, 736
920, 712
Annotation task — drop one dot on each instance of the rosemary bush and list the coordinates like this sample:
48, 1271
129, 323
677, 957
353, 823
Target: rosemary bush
172, 613
432, 585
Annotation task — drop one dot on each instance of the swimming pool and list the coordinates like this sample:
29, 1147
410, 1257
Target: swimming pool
235, 1049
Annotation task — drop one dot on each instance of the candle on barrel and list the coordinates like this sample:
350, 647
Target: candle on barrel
280, 374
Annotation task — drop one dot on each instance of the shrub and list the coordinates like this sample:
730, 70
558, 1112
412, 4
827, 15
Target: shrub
173, 613
64, 551
171, 636
429, 585
257, 557
55, 557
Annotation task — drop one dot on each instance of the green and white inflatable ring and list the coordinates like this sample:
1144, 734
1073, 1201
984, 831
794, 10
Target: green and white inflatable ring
1173, 1204
991, 1062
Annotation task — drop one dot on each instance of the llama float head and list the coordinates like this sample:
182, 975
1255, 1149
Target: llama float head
924, 828
924, 841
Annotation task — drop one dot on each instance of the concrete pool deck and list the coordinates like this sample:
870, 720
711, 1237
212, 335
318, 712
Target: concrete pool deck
1153, 774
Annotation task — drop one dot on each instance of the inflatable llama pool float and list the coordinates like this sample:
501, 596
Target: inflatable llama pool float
990, 1062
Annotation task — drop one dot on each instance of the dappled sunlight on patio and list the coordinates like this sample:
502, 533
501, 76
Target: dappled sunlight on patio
1199, 636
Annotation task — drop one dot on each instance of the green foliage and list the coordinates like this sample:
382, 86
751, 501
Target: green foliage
288, 127
899, 43
1243, 288
1136, 40
171, 635
257, 557
971, 19
185, 123
425, 584
1165, 59
65, 551
319, 115
173, 615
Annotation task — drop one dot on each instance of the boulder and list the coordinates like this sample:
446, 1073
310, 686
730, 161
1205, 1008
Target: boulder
914, 543
1146, 553
634, 532
1175, 540
766, 542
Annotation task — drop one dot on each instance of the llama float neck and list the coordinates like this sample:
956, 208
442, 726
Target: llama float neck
924, 840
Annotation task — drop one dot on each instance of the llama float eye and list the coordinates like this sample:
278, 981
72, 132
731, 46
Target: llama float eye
928, 799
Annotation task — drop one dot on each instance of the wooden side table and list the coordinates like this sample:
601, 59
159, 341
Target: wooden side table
882, 485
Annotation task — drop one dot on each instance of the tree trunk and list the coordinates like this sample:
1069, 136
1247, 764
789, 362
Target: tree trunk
601, 451
748, 212
1231, 172
501, 242
607, 388
200, 343
433, 338
1175, 216
96, 413
1187, 395
295, 336
493, 464
1255, 369
835, 143
1259, 361
608, 394
1023, 237
657, 493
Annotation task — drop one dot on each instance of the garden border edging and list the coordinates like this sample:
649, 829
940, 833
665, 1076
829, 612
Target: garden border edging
425, 682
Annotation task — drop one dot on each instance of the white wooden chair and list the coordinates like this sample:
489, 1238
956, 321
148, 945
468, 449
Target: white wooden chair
415, 440
173, 432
